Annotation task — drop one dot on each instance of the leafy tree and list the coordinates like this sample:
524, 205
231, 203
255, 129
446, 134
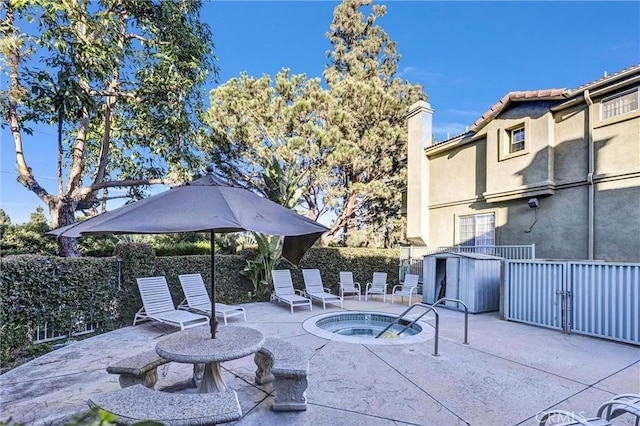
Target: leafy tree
372, 102
121, 82
7, 229
254, 120
5, 224
350, 138
30, 237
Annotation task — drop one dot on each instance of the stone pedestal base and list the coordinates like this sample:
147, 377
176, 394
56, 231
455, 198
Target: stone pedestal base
290, 393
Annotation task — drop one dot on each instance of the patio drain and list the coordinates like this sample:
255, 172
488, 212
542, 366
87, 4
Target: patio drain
363, 327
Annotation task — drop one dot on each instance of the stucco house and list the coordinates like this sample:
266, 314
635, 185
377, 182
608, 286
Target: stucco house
557, 168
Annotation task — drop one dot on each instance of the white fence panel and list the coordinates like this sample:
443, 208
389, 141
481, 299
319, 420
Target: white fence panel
43, 333
411, 266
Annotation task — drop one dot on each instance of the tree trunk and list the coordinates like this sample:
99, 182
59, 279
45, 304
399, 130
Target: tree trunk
350, 206
62, 214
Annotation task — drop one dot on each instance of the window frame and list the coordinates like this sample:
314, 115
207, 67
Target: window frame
505, 137
519, 144
619, 95
477, 225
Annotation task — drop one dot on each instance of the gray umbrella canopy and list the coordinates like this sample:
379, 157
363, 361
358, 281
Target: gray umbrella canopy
205, 205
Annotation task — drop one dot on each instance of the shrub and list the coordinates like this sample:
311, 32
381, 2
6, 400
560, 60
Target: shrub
63, 292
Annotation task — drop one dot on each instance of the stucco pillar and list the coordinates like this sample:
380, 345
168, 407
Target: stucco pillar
419, 119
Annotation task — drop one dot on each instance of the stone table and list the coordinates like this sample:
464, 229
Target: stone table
195, 346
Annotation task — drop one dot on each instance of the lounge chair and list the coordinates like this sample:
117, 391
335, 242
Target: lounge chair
348, 286
625, 403
408, 288
197, 299
316, 291
283, 290
377, 286
158, 305
568, 418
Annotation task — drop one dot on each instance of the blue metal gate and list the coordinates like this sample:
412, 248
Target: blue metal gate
593, 298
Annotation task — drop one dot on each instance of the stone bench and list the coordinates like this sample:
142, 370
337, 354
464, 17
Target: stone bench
135, 403
138, 369
287, 366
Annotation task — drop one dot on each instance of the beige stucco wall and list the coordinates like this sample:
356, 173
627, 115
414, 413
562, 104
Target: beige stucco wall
473, 176
617, 146
559, 233
529, 168
457, 175
617, 227
570, 150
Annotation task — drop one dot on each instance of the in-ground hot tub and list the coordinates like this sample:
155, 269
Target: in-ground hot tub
363, 327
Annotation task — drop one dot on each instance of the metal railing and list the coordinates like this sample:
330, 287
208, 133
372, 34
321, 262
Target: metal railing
411, 256
466, 315
397, 321
506, 251
43, 333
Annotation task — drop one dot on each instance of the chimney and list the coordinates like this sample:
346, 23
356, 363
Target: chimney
419, 123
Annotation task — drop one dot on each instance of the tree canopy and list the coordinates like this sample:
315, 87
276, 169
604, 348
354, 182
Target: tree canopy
121, 81
253, 120
346, 132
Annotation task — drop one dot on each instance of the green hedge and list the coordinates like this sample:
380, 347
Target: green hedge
361, 261
35, 289
138, 260
56, 291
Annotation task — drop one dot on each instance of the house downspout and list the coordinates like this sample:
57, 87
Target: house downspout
591, 165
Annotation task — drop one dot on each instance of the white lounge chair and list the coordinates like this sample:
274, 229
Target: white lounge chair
625, 403
315, 289
408, 288
377, 286
283, 290
158, 305
197, 298
568, 418
348, 286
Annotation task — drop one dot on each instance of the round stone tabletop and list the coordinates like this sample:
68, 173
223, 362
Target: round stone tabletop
195, 345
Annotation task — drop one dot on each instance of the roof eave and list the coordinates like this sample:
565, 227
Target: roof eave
600, 87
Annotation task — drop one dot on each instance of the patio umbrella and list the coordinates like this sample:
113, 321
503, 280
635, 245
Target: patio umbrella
205, 205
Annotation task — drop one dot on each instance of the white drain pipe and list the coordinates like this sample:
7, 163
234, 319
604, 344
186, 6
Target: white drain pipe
590, 172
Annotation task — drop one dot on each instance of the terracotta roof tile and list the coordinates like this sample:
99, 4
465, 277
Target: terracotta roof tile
555, 94
511, 96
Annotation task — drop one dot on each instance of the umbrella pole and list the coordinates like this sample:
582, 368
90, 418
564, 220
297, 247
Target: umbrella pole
213, 321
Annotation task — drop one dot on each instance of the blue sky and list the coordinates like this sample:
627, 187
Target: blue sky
466, 55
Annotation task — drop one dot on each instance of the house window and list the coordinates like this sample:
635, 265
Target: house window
478, 230
620, 103
516, 141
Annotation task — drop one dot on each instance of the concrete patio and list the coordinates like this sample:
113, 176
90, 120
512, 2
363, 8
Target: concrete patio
507, 375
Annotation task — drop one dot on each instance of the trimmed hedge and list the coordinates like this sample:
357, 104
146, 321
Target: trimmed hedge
361, 261
59, 291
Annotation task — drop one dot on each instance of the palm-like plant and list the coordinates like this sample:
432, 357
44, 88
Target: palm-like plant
283, 188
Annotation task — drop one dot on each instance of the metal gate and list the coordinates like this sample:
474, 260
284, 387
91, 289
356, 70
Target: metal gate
593, 298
